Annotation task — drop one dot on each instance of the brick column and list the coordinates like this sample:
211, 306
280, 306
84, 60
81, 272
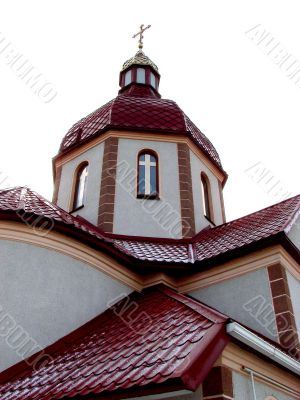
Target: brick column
285, 320
218, 384
108, 185
186, 192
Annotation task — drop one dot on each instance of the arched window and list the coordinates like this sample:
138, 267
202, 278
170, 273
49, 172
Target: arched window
206, 196
80, 186
147, 185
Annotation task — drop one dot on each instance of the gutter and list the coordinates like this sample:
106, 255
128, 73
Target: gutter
262, 346
162, 395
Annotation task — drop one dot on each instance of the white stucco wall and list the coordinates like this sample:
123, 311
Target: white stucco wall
147, 217
294, 287
247, 299
48, 294
94, 157
197, 166
242, 389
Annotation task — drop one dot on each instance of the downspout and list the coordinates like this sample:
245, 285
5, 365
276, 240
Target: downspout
253, 385
269, 380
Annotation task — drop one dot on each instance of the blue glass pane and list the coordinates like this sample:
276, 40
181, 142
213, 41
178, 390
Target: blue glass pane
142, 157
80, 188
153, 180
128, 77
140, 78
152, 80
152, 159
141, 188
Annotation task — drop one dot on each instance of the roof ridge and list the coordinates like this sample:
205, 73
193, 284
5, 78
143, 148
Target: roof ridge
9, 189
203, 134
288, 225
111, 108
23, 200
198, 307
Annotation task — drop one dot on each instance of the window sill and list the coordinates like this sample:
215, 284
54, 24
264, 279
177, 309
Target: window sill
148, 197
209, 220
76, 209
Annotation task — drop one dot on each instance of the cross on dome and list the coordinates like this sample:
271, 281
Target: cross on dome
140, 33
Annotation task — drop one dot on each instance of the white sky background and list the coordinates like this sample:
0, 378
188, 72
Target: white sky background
224, 82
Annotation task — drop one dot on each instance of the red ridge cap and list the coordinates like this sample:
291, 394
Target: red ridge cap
202, 309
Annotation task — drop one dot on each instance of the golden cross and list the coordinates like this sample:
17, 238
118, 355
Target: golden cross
142, 30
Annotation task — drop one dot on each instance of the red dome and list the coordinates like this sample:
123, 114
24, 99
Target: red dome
138, 109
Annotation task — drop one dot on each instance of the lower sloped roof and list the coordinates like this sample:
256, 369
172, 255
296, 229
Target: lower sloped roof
151, 338
213, 242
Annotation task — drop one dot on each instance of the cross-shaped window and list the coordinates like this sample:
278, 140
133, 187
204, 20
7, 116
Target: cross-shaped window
147, 175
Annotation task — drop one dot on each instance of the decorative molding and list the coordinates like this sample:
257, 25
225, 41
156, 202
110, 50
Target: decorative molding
108, 185
19, 232
16, 231
186, 191
156, 137
260, 259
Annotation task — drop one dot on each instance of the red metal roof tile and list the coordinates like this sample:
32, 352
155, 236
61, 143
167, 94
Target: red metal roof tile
161, 341
138, 109
215, 241
25, 202
243, 231
153, 251
205, 245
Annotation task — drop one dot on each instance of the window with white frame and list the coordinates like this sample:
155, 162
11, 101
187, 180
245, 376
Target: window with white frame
80, 186
147, 185
206, 196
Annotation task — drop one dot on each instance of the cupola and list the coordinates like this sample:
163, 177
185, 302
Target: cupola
139, 70
138, 165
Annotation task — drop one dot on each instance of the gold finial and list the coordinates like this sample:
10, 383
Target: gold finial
142, 30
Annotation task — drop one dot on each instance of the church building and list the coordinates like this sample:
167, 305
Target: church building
130, 284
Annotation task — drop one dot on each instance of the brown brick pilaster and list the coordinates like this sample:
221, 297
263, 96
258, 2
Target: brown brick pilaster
285, 320
108, 185
218, 384
186, 192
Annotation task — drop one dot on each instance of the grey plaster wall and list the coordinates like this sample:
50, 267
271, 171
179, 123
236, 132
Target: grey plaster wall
197, 167
294, 286
243, 389
247, 299
147, 217
94, 156
294, 233
48, 294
